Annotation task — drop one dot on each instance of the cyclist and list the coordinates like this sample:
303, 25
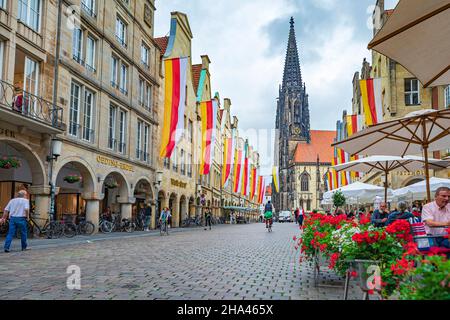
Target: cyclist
164, 217
268, 214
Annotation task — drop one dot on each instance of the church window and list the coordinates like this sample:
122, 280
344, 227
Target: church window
304, 182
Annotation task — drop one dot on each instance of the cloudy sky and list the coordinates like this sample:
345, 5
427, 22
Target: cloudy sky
246, 41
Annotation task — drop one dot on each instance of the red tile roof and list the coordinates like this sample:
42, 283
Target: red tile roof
196, 69
320, 144
389, 12
162, 44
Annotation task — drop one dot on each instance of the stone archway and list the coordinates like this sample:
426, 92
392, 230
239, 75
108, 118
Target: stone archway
183, 209
412, 180
30, 175
173, 207
191, 207
116, 195
75, 183
143, 194
162, 202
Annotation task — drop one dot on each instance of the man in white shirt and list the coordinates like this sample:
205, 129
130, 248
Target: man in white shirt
18, 210
436, 215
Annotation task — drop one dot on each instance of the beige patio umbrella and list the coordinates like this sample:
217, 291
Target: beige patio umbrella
418, 132
389, 164
416, 35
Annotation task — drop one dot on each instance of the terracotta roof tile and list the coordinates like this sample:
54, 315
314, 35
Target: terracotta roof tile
196, 69
321, 141
162, 44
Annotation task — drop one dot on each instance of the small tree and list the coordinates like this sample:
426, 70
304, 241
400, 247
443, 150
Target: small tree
338, 199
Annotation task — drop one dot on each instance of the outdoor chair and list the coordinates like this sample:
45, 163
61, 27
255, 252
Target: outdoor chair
426, 243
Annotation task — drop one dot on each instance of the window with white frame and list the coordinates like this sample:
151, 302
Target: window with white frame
145, 141
89, 7
77, 45
74, 114
412, 92
90, 53
122, 131
121, 31
447, 97
112, 127
141, 91
173, 159
123, 79
3, 4
182, 162
29, 13
189, 165
145, 55
88, 115
1, 58
114, 71
140, 124
148, 96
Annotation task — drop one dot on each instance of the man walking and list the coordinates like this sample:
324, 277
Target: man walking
208, 218
18, 210
301, 215
147, 216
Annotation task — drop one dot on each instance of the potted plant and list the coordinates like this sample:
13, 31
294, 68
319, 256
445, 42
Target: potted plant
72, 178
8, 162
111, 184
338, 199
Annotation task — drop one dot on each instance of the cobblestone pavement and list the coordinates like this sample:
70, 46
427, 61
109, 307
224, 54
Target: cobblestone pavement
228, 262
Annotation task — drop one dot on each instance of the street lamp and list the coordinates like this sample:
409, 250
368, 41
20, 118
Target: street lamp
55, 148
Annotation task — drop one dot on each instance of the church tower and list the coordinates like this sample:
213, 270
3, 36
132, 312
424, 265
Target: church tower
292, 122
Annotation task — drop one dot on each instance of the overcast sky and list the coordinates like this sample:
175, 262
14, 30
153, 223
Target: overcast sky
246, 41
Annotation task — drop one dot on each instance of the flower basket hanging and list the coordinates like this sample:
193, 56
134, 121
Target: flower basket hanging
111, 184
9, 162
72, 178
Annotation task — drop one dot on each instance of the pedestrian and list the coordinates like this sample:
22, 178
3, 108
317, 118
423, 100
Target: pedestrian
18, 210
231, 217
296, 214
147, 216
301, 215
208, 218
169, 218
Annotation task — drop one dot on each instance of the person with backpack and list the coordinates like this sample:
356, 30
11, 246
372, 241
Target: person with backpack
268, 214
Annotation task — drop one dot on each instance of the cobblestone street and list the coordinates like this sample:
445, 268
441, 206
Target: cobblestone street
228, 262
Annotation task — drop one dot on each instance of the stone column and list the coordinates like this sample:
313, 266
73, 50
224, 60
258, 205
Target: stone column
41, 203
153, 219
126, 210
93, 212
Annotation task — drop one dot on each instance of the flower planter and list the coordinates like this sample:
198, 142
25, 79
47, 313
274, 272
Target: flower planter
8, 163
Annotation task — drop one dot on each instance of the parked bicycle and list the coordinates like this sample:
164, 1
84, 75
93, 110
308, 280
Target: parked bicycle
85, 228
51, 229
116, 224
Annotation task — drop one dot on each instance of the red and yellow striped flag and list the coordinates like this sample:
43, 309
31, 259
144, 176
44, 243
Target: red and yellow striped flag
174, 102
207, 114
372, 100
227, 154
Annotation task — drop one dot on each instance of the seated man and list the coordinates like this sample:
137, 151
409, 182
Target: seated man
402, 213
380, 216
436, 216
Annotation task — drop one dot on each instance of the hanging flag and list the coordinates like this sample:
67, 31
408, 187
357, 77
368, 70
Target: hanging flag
275, 178
245, 170
237, 167
174, 102
253, 183
206, 111
260, 189
215, 103
227, 154
371, 100
334, 173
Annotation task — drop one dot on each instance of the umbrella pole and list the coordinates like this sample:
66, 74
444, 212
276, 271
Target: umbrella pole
385, 185
427, 173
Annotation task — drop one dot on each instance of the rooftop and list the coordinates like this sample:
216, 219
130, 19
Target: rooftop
320, 145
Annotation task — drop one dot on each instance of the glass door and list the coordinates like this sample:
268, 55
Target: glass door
30, 87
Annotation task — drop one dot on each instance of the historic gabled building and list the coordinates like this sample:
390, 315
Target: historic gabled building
302, 155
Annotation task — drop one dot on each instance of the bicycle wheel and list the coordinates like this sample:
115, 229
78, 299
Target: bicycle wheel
106, 226
161, 228
54, 230
36, 231
129, 227
69, 230
87, 228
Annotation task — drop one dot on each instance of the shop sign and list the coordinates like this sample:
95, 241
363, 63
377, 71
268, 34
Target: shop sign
178, 183
114, 163
7, 133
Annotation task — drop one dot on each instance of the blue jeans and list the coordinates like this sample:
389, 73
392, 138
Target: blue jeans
14, 224
147, 221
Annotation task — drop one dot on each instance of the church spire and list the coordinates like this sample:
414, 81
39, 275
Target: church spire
292, 75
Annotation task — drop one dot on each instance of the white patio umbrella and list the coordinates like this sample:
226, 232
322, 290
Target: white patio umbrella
416, 35
358, 192
416, 190
387, 164
418, 132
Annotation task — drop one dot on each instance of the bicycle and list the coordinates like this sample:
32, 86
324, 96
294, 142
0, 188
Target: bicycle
85, 228
52, 229
163, 228
269, 228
